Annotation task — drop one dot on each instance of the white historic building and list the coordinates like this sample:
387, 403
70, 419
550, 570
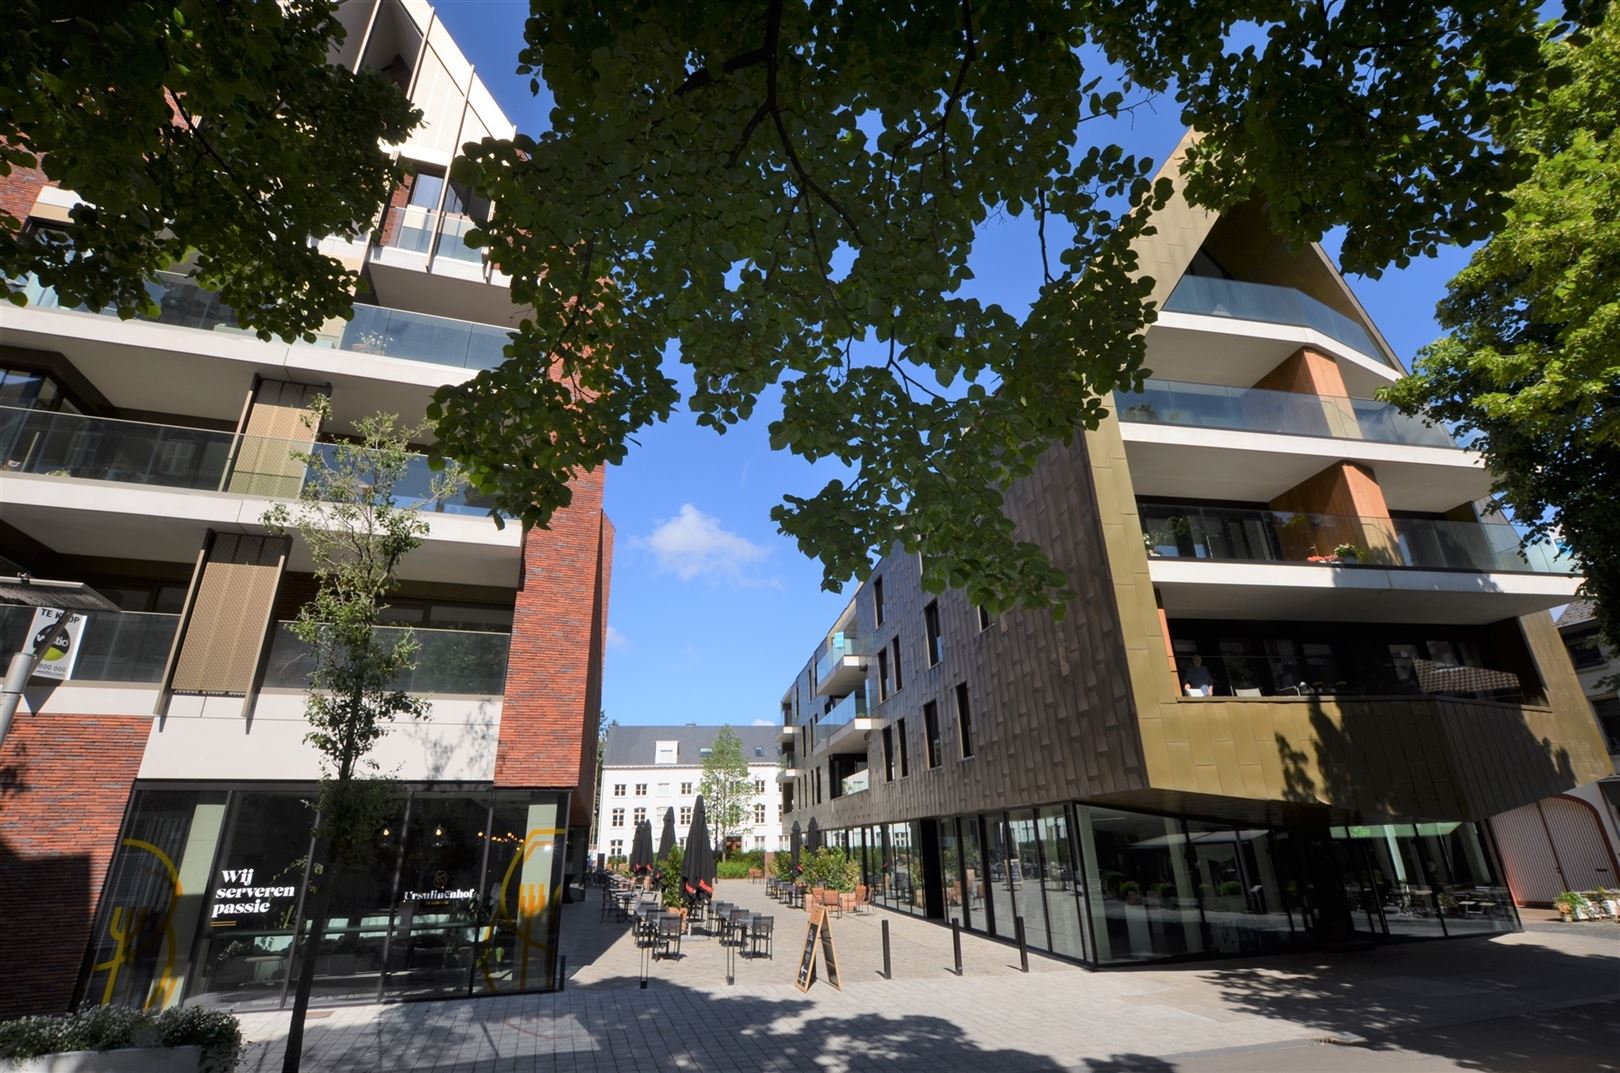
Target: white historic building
647, 769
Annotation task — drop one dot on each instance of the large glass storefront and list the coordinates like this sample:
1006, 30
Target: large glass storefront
456, 895
1111, 887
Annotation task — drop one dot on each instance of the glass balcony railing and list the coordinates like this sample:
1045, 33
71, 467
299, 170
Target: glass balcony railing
170, 456
1244, 535
392, 333
411, 228
115, 646
837, 647
447, 661
837, 717
1343, 673
1214, 297
1170, 402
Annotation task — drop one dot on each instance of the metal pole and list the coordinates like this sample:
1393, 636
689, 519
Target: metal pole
1023, 948
888, 970
956, 943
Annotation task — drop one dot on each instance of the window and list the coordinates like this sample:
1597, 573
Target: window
641, 789
894, 658
686, 788
686, 815
888, 754
618, 818
818, 786
705, 752
964, 720
759, 750
759, 786
640, 814
900, 736
931, 732
616, 848
931, 630
618, 789
1585, 651
666, 751
877, 599
759, 814
984, 619
883, 674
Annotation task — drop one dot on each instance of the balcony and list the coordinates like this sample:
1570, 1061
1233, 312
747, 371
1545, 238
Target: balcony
1217, 562
857, 783
842, 729
1244, 535
1213, 297
461, 662
1212, 406
115, 646
391, 333
841, 664
1343, 674
136, 452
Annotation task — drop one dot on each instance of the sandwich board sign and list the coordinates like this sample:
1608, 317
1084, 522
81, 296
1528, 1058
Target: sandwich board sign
818, 942
57, 659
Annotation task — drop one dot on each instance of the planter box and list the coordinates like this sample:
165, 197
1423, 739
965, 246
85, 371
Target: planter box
123, 1060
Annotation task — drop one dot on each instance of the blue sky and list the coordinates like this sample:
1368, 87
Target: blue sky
713, 611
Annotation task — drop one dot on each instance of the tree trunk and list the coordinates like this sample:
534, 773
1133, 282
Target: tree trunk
307, 953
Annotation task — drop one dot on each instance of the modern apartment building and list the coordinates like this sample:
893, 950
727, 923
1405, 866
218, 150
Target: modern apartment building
1571, 840
649, 770
154, 833
1301, 666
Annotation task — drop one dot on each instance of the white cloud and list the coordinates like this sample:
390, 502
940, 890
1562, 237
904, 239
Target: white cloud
762, 723
615, 639
694, 544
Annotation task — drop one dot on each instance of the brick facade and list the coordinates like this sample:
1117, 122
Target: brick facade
20, 189
554, 669
64, 783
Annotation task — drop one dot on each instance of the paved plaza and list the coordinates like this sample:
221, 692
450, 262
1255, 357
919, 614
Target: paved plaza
1542, 1001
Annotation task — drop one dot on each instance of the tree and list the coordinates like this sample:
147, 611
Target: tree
1530, 369
787, 194
195, 127
726, 786
356, 533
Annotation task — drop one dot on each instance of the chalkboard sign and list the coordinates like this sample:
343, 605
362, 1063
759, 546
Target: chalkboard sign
818, 941
829, 956
812, 942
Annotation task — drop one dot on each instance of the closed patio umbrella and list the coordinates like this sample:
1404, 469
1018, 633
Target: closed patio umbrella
641, 851
812, 840
697, 868
795, 845
666, 840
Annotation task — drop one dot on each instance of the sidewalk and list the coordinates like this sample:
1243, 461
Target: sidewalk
1058, 1017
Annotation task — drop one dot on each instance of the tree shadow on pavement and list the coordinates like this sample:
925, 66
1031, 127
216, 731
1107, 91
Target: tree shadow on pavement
1421, 996
612, 1025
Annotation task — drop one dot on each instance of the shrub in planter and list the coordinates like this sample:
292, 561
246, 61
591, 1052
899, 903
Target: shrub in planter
732, 869
782, 866
106, 1028
1572, 905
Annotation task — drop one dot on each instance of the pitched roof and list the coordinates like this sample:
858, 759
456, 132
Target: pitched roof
638, 746
1577, 613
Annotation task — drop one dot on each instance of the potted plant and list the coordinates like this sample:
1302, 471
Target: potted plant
1571, 905
1348, 553
1131, 891
670, 888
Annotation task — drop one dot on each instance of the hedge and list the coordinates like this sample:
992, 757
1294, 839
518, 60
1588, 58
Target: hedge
106, 1028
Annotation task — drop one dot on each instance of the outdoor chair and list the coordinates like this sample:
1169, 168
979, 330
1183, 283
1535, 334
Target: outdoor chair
760, 933
863, 899
721, 910
830, 900
667, 936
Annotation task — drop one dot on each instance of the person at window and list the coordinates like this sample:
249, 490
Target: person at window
1197, 679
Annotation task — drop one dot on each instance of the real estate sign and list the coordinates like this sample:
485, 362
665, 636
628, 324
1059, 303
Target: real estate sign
56, 660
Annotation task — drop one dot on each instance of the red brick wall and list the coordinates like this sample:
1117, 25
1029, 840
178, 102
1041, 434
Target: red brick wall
64, 782
554, 669
395, 210
19, 190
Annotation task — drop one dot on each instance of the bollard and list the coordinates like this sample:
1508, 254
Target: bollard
888, 971
1023, 948
956, 943
644, 968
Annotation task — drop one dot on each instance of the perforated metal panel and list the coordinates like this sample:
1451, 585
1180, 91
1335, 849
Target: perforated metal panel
225, 634
274, 429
